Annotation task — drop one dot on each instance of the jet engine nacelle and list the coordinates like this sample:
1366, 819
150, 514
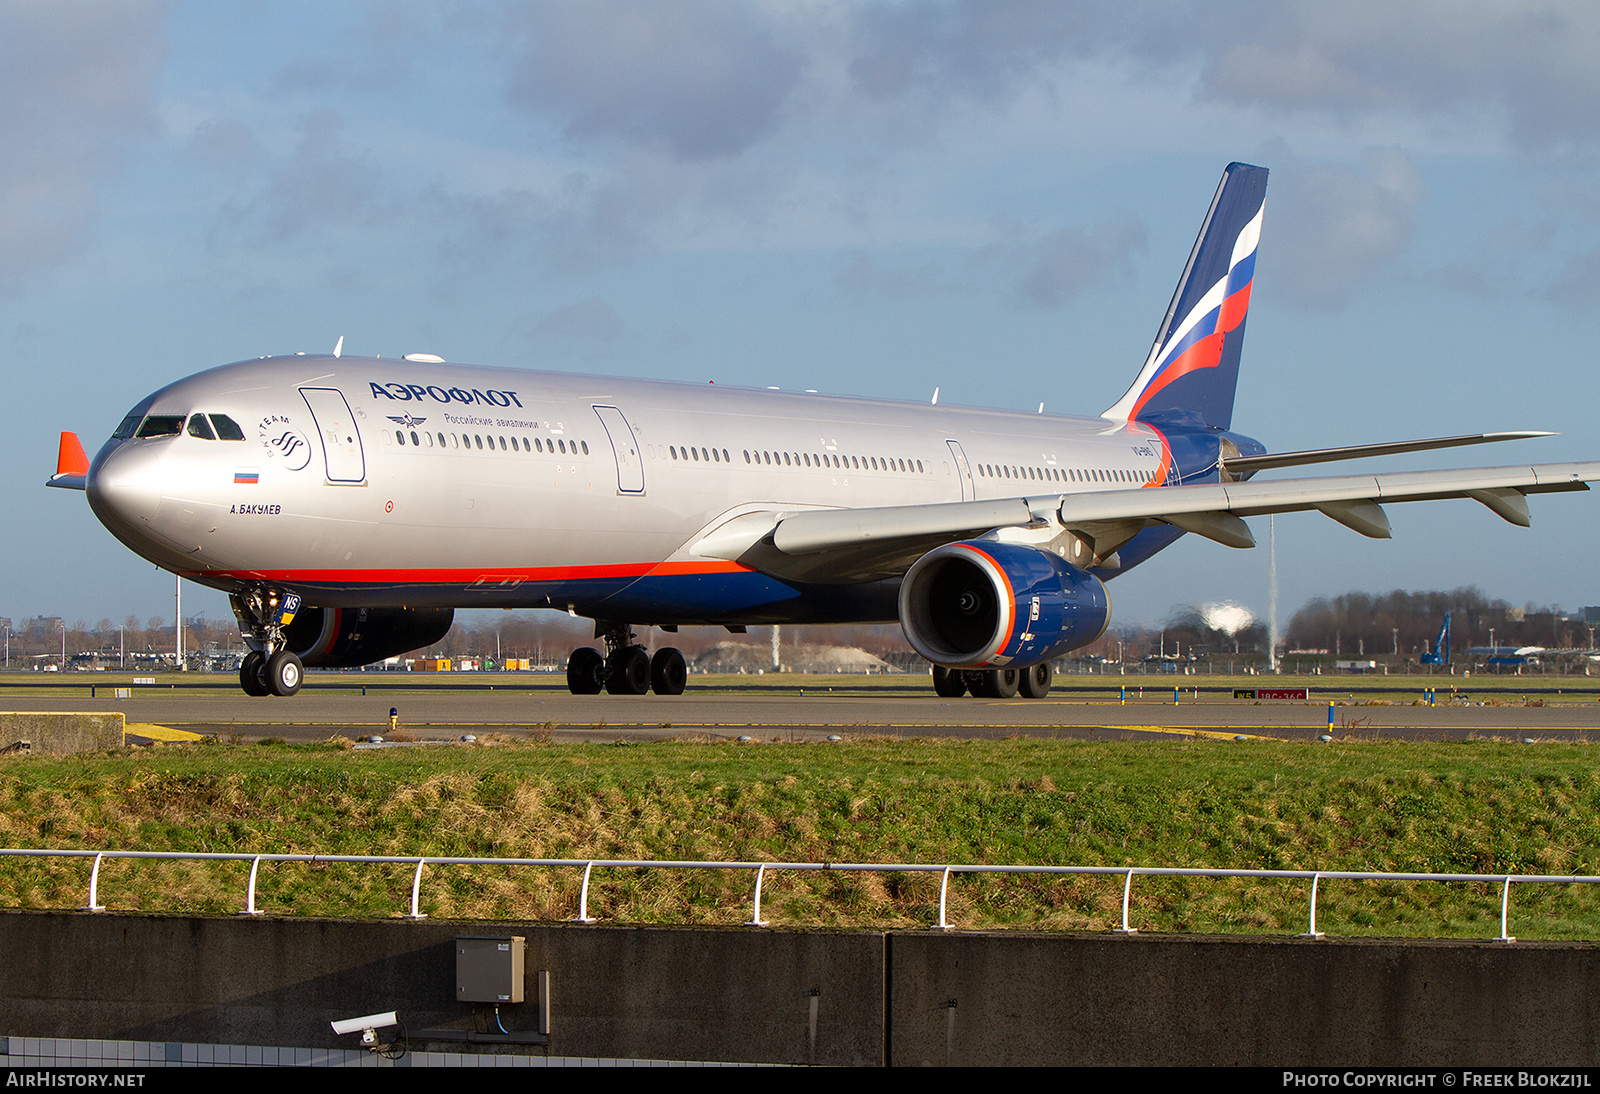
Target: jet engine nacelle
341, 638
981, 605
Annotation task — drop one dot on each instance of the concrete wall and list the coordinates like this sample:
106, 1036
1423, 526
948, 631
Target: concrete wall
61, 734
619, 992
908, 998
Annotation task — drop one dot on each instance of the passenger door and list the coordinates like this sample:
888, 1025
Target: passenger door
625, 446
336, 426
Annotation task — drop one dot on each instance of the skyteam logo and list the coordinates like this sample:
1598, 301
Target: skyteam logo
283, 442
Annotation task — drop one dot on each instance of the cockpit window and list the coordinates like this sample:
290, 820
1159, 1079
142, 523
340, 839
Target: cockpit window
129, 426
162, 425
227, 428
199, 427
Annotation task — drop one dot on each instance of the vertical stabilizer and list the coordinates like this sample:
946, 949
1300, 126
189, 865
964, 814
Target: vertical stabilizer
1193, 368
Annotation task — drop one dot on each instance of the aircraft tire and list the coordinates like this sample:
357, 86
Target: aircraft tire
284, 673
949, 683
585, 671
1036, 680
1003, 683
668, 674
629, 672
252, 674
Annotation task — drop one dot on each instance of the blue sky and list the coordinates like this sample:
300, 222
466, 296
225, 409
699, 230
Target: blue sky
992, 197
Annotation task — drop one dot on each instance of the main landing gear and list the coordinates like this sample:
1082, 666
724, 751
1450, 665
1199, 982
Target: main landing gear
626, 668
271, 668
1032, 682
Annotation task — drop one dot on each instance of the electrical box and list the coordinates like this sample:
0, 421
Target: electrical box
489, 970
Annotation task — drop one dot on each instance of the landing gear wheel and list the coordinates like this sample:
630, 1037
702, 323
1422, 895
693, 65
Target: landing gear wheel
628, 672
668, 673
949, 683
585, 671
1004, 682
284, 673
252, 674
1036, 680
993, 683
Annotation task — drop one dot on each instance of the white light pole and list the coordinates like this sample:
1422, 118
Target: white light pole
177, 621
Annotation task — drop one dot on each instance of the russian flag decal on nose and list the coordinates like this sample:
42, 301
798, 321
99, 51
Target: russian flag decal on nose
249, 478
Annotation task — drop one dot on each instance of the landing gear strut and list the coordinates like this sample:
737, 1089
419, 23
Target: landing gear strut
626, 668
270, 668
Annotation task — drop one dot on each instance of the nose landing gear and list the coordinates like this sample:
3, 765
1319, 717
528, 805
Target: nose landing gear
270, 668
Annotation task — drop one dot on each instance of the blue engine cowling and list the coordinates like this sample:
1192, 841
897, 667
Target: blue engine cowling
339, 638
981, 605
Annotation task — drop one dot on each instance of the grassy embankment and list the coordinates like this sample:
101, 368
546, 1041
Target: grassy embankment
1470, 807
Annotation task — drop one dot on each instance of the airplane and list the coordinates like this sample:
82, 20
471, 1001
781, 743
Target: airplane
349, 505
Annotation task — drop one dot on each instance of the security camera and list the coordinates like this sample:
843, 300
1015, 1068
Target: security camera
367, 1025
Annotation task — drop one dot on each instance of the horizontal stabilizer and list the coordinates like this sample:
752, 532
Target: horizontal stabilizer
1244, 465
72, 464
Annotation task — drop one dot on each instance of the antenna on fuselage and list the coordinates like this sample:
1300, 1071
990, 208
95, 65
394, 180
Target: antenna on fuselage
1041, 408
935, 397
338, 347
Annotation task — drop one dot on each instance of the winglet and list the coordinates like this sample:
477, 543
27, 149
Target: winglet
72, 464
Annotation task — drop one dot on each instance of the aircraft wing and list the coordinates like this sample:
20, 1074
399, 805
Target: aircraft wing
841, 546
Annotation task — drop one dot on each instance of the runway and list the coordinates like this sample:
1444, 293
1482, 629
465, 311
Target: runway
523, 706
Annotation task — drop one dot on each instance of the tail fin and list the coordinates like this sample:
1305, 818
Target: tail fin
1194, 365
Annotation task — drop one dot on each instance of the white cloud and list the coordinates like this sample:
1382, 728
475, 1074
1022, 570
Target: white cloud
1334, 227
697, 79
77, 83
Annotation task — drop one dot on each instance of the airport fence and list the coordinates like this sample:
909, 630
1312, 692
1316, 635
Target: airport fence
761, 869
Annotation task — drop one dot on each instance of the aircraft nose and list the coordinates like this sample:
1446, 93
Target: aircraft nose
124, 487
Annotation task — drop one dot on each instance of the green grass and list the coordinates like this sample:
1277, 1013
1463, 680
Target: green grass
1466, 807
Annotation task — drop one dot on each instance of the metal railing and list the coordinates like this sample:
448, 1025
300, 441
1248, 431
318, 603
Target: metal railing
761, 870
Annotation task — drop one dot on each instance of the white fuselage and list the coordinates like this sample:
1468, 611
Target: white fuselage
460, 486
